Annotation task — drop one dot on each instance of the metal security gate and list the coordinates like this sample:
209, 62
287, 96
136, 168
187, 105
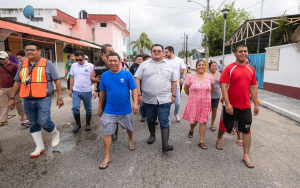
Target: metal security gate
257, 61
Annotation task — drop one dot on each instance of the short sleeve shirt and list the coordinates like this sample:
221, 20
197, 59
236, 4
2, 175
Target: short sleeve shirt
117, 87
68, 66
51, 73
239, 79
156, 81
7, 80
177, 64
82, 76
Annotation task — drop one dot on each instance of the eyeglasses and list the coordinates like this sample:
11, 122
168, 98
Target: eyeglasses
30, 50
158, 51
78, 60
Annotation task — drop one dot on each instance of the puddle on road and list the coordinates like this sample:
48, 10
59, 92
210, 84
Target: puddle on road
69, 140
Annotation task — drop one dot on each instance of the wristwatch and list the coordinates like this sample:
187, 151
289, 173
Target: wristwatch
60, 98
174, 96
12, 98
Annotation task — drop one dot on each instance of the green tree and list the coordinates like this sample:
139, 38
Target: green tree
142, 43
283, 34
214, 27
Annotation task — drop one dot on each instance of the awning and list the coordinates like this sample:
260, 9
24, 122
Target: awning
28, 30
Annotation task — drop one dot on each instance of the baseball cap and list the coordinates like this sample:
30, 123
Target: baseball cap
3, 55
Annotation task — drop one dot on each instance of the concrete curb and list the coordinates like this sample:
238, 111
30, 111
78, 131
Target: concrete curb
280, 110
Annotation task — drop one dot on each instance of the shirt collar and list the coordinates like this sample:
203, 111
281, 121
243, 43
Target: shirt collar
163, 61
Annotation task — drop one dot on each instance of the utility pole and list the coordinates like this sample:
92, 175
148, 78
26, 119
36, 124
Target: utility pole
207, 18
183, 44
129, 40
186, 52
258, 43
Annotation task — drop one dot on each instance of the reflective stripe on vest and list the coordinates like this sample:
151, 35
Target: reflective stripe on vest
38, 85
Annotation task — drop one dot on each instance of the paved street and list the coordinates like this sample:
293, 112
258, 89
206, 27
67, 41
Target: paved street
74, 163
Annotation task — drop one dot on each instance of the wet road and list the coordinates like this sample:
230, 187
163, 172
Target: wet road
74, 163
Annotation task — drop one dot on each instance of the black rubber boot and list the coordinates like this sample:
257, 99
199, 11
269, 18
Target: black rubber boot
152, 133
78, 124
114, 137
88, 121
165, 138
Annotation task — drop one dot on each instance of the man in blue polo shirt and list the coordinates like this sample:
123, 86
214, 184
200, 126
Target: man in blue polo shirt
115, 86
80, 89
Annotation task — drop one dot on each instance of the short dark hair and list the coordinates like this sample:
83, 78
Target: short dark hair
68, 56
157, 45
71, 54
114, 54
139, 56
32, 43
145, 57
21, 53
240, 46
200, 61
210, 64
79, 53
7, 50
104, 46
170, 48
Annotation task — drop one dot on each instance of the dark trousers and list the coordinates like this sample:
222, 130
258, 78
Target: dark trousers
161, 111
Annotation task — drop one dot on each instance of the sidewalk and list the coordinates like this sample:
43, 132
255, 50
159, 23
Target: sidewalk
286, 106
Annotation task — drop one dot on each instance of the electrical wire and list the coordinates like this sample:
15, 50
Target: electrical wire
166, 25
155, 5
254, 4
164, 17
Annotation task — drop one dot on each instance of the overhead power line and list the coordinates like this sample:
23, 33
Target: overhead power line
164, 17
166, 25
155, 5
254, 4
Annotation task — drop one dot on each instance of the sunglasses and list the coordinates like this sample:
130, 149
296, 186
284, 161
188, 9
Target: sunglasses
78, 60
30, 50
158, 51
2, 59
86, 58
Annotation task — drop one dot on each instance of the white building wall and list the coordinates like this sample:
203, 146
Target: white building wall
288, 72
228, 59
18, 13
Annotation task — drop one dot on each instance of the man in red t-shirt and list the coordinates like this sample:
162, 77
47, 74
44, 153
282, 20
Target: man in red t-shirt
237, 81
7, 71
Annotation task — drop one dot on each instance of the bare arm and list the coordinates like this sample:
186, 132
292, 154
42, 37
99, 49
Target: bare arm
184, 72
71, 86
212, 88
59, 103
15, 90
135, 101
138, 83
253, 91
187, 89
228, 106
101, 99
174, 87
66, 74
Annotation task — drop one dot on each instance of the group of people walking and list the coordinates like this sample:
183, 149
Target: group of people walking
153, 83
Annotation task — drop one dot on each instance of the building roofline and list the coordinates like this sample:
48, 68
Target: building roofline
44, 30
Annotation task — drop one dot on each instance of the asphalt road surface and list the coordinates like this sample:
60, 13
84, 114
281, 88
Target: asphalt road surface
274, 150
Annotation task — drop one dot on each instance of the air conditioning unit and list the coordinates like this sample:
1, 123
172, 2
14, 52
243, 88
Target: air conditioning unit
95, 42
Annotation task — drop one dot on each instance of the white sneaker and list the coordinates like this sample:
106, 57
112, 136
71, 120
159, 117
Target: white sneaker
177, 117
170, 123
55, 137
38, 139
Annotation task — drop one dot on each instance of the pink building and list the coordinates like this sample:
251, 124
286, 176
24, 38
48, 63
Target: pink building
95, 28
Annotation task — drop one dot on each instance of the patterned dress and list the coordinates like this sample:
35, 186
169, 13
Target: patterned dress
199, 100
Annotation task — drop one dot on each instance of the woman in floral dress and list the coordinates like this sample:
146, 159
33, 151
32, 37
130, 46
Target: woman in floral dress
198, 87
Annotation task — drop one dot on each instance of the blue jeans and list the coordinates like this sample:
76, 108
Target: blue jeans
161, 111
177, 101
38, 113
86, 98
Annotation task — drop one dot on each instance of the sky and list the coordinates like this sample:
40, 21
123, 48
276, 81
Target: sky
165, 21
